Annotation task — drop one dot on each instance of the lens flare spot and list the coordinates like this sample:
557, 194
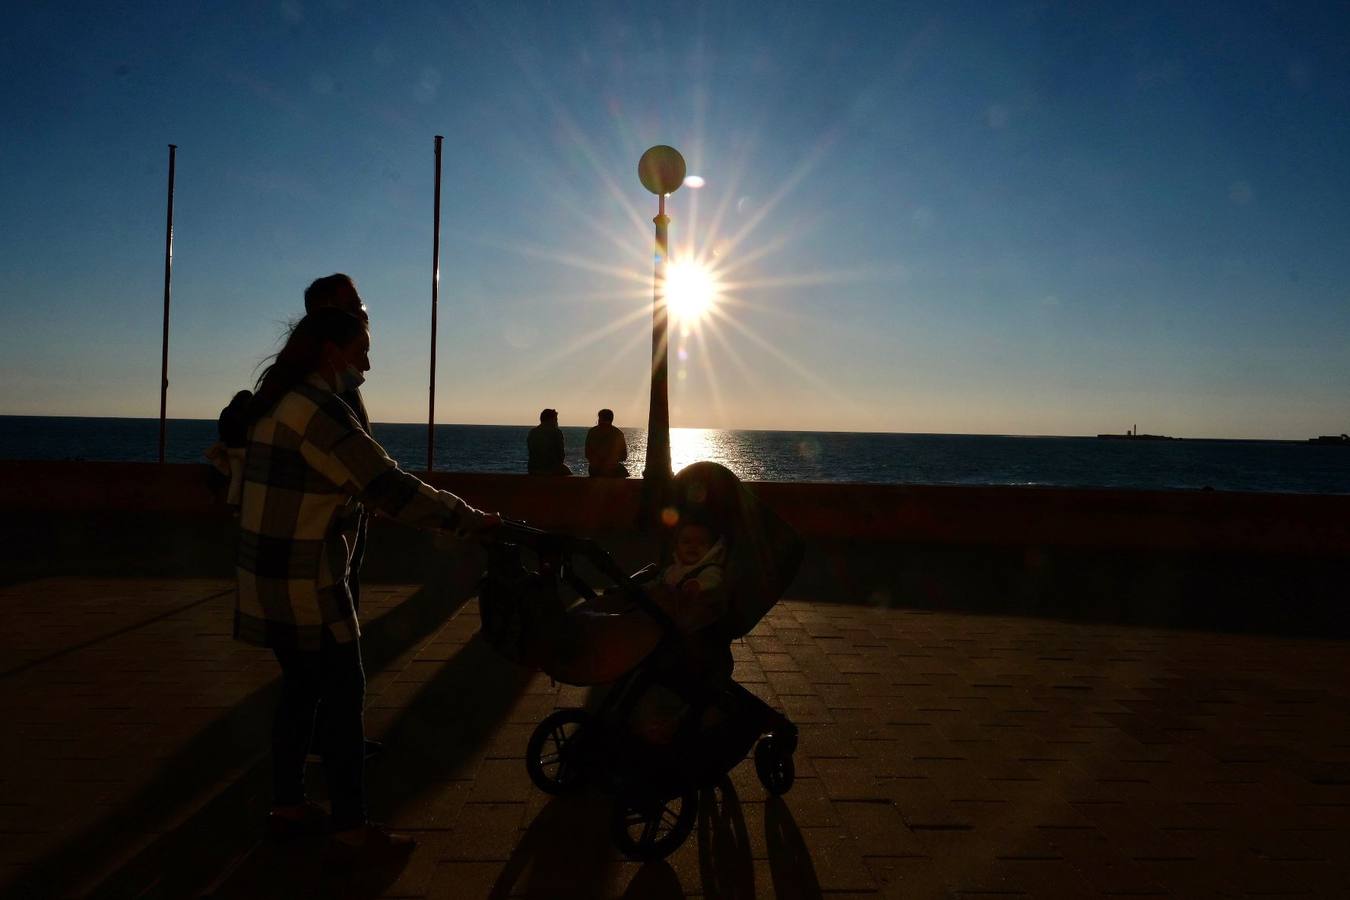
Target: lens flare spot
669, 516
694, 181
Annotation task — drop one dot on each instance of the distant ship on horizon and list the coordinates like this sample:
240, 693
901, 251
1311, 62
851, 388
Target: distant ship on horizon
1338, 440
1134, 435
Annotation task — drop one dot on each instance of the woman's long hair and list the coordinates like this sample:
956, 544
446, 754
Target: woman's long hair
301, 354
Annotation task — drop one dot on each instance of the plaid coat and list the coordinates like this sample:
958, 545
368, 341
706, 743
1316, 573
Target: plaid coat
309, 467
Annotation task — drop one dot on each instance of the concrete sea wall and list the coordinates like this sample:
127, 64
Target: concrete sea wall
1264, 562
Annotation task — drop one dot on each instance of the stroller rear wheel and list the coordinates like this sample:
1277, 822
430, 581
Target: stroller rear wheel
646, 827
553, 756
774, 766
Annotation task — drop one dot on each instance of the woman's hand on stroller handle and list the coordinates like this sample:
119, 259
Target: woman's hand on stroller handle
513, 530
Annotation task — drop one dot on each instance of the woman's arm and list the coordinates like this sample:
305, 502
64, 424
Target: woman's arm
340, 450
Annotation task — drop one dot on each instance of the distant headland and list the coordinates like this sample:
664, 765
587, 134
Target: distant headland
1134, 435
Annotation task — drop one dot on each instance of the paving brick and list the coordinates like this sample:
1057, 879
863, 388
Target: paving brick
785, 683
807, 710
909, 877
458, 878
435, 805
485, 831
879, 829
777, 662
809, 804
851, 779
508, 741
501, 781
824, 740
834, 856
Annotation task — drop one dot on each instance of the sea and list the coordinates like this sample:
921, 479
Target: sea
987, 459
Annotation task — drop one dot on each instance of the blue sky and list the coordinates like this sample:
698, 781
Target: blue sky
1030, 218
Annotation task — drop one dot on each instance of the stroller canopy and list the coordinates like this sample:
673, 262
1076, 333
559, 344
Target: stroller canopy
763, 551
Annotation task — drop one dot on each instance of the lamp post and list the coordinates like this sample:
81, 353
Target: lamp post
661, 171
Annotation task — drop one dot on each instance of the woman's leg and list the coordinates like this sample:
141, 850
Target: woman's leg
343, 689
293, 724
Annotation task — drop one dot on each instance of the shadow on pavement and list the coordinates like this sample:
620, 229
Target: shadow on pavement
167, 842
725, 864
437, 737
298, 871
794, 875
567, 844
228, 763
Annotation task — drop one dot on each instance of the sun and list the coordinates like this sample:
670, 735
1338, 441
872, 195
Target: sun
691, 291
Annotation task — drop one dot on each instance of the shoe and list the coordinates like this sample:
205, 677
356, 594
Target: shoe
312, 820
374, 847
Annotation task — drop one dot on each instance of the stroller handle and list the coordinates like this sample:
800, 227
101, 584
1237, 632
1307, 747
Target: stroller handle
511, 531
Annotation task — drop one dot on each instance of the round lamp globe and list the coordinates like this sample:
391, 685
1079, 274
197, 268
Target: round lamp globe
661, 169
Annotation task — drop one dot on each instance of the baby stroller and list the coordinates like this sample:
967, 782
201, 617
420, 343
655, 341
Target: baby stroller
636, 649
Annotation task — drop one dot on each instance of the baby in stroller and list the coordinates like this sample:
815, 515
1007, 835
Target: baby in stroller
689, 591
673, 720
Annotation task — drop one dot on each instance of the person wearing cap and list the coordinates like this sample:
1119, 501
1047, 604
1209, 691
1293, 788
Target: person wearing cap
547, 453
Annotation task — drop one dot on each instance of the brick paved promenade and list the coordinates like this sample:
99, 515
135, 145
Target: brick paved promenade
941, 755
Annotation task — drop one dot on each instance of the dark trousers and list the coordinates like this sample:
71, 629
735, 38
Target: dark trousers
358, 557
354, 589
333, 677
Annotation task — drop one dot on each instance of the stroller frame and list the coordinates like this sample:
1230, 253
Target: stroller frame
655, 786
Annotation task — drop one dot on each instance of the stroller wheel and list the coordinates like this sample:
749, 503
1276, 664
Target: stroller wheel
774, 766
553, 757
646, 827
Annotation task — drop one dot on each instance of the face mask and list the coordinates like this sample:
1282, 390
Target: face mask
349, 379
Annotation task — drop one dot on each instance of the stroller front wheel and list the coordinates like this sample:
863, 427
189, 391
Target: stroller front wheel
554, 755
774, 766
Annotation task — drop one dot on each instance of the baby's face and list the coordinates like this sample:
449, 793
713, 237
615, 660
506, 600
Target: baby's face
692, 543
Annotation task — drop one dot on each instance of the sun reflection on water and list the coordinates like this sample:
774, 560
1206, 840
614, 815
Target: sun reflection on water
691, 445
746, 453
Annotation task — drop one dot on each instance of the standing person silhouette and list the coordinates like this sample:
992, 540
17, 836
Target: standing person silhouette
606, 448
311, 465
338, 291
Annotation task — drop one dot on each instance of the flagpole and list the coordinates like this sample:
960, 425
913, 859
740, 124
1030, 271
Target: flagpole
435, 288
168, 278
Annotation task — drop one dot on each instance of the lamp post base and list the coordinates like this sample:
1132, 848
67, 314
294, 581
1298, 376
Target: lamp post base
657, 494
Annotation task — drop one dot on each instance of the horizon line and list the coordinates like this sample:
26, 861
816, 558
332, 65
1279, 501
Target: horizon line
695, 428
